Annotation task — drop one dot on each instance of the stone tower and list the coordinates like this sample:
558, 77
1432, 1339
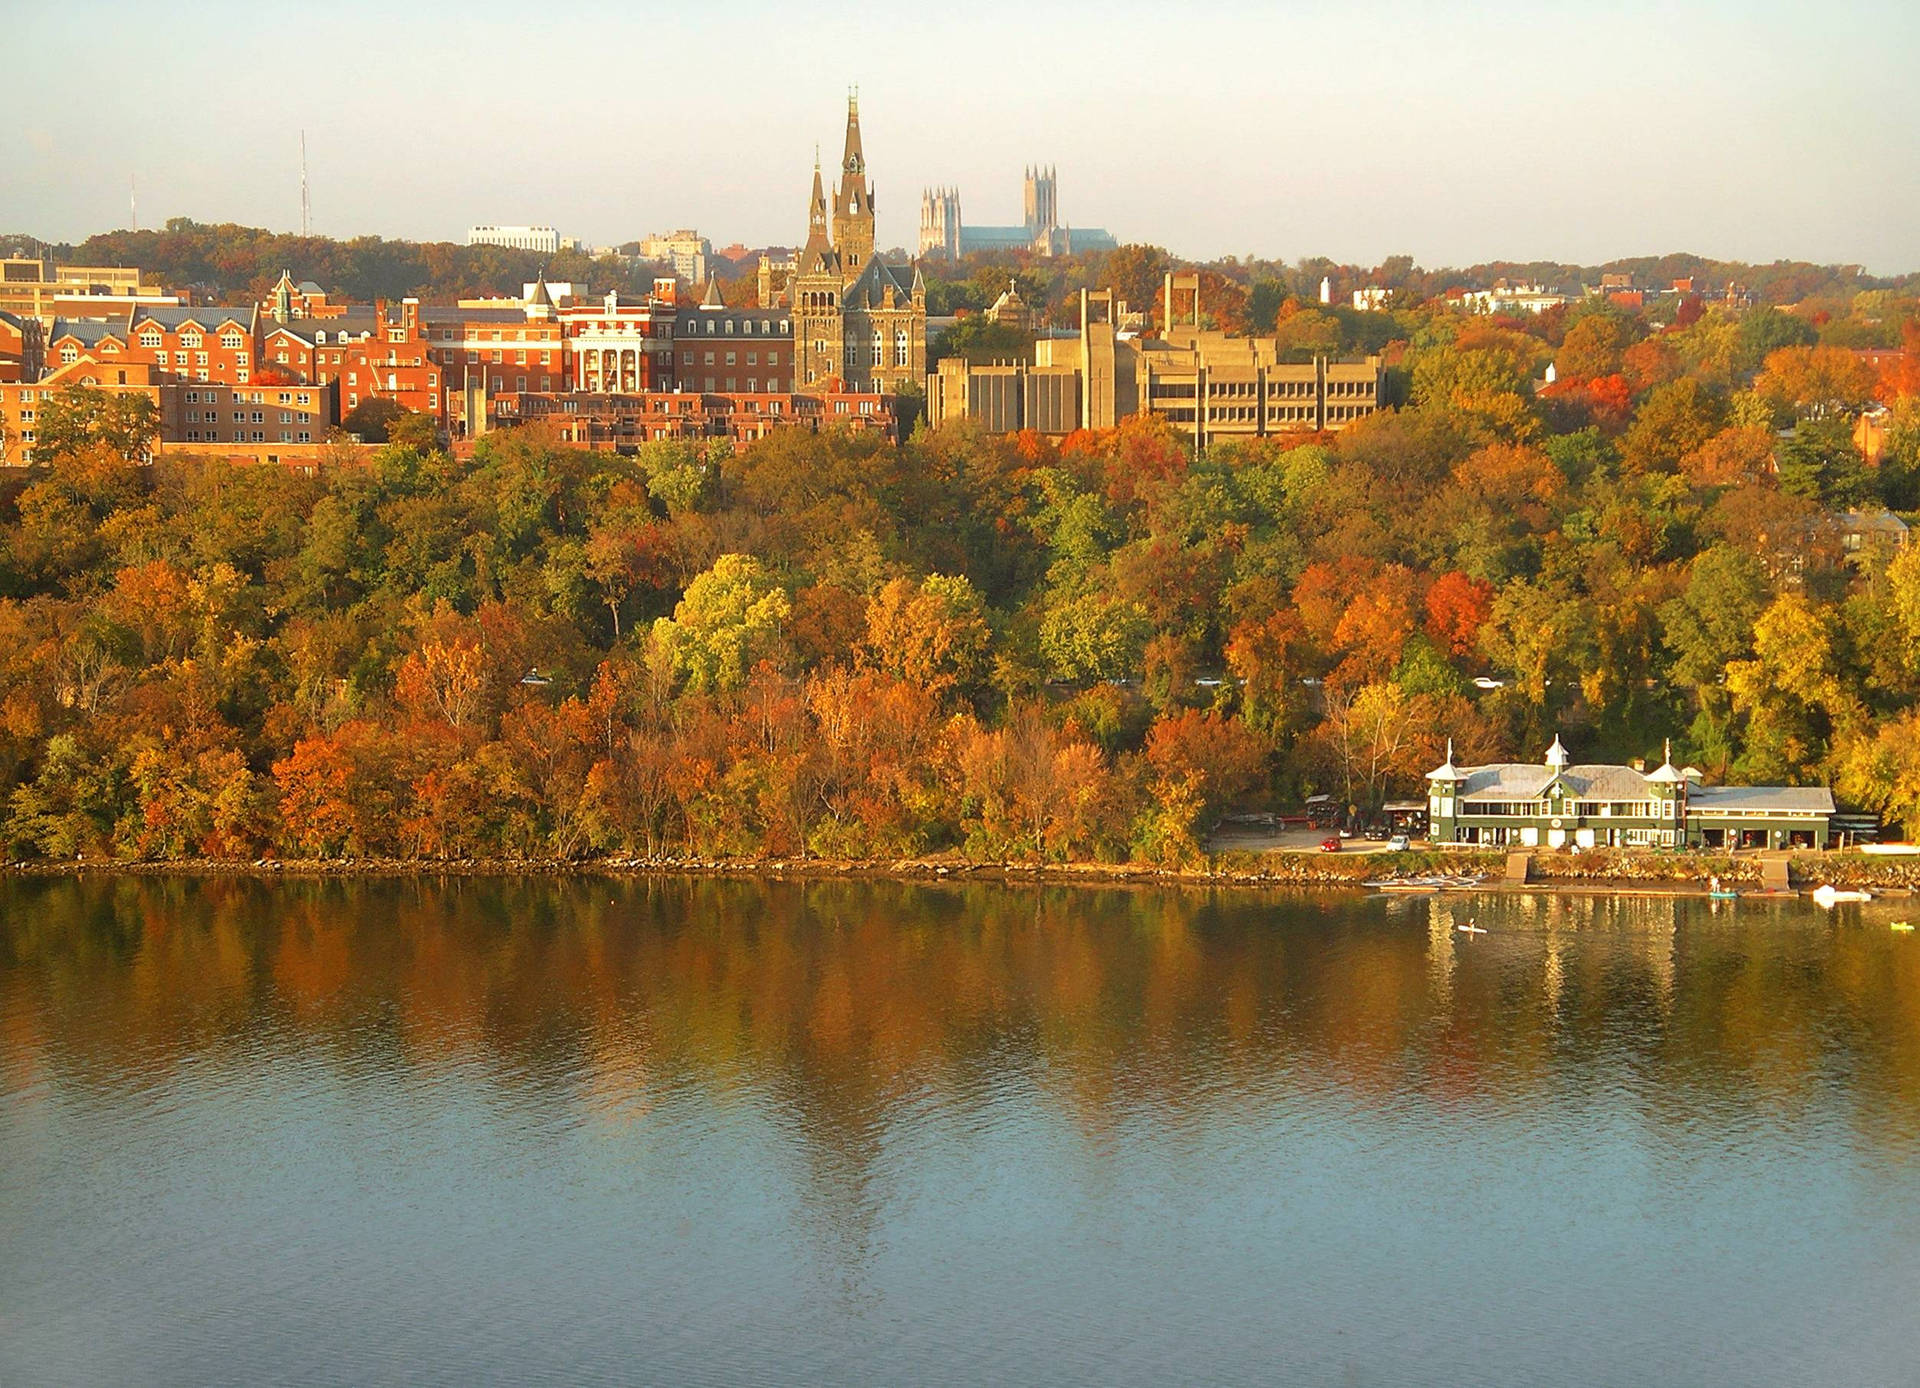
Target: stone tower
859, 324
940, 223
853, 203
1043, 202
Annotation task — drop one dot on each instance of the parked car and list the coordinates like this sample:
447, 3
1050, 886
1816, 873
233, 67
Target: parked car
1398, 844
1330, 845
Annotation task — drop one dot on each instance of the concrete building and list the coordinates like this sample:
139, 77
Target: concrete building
35, 288
686, 250
1559, 804
1211, 385
545, 240
943, 233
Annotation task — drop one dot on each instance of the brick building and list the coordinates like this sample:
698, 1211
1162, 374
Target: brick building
194, 344
728, 350
624, 421
314, 349
21, 402
620, 346
21, 349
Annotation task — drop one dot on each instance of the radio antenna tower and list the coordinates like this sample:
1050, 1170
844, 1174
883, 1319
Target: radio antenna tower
306, 209
133, 203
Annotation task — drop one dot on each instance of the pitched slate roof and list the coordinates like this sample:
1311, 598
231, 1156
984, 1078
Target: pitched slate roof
353, 323
88, 332
173, 317
869, 288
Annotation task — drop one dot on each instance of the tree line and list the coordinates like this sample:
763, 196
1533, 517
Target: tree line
1002, 647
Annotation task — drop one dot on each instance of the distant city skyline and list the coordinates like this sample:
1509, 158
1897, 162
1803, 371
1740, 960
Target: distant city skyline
1457, 135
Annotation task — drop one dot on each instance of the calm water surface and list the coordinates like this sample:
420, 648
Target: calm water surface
727, 1132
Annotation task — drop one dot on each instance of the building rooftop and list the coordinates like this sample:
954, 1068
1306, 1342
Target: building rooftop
1529, 781
1774, 799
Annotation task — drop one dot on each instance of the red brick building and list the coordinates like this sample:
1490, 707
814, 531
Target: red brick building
726, 350
314, 349
620, 346
392, 363
20, 347
21, 402
481, 353
216, 345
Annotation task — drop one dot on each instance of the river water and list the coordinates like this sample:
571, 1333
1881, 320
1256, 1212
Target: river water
698, 1131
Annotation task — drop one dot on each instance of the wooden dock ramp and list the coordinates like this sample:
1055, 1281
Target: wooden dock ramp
1519, 867
1776, 874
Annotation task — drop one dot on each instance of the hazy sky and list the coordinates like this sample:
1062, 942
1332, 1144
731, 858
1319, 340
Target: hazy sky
1748, 129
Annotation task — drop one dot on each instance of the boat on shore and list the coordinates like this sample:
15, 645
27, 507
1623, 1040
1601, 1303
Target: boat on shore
1827, 895
1430, 882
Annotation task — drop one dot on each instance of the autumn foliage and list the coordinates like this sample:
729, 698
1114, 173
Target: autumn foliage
992, 648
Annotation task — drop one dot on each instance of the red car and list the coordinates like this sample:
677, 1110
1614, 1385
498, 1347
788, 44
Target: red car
1330, 845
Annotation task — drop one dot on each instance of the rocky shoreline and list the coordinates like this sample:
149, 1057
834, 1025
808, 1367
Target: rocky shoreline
1675, 874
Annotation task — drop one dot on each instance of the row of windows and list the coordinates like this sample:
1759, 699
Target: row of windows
753, 359
746, 327
517, 335
1574, 809
258, 436
232, 342
259, 397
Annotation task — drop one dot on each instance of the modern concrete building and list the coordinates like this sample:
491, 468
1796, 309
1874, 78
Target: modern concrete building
35, 288
1560, 804
686, 250
545, 240
1211, 385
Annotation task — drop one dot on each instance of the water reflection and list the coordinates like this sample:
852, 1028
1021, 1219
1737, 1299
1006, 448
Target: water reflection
885, 1074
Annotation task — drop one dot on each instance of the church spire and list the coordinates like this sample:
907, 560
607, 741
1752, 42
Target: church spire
853, 204
818, 252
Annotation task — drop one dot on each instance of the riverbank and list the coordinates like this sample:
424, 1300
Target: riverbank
1637, 873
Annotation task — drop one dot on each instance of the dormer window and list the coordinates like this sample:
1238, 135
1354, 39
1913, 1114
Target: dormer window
189, 338
150, 338
231, 341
